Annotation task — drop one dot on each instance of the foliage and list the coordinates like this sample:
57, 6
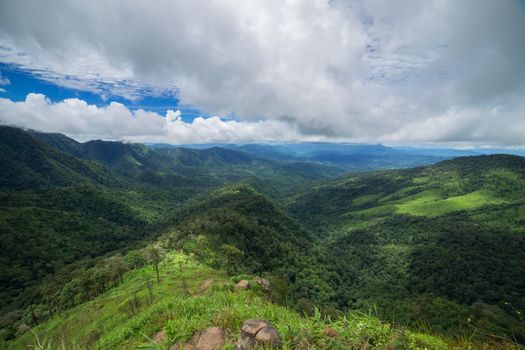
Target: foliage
437, 249
105, 323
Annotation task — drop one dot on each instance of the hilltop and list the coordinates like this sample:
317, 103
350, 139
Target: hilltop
190, 297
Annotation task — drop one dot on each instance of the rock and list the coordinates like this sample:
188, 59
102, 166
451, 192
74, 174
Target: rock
212, 338
182, 346
252, 326
330, 332
160, 337
264, 283
268, 336
257, 332
243, 284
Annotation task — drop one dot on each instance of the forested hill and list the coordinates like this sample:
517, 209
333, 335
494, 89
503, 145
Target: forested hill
460, 184
443, 245
175, 166
28, 162
64, 204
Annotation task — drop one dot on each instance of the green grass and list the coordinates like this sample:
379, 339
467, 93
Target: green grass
127, 316
430, 203
382, 210
365, 200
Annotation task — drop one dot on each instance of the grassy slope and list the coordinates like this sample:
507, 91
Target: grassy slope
461, 184
181, 306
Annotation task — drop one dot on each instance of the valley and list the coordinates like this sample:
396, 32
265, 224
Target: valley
430, 256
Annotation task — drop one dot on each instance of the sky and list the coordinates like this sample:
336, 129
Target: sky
439, 72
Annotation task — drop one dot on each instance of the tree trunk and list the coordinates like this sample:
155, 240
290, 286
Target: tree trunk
33, 315
50, 306
157, 271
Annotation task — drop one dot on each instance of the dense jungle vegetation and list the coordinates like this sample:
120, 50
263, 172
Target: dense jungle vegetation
436, 249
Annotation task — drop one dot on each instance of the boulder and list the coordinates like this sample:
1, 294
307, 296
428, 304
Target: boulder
252, 326
243, 284
258, 332
264, 283
212, 338
268, 336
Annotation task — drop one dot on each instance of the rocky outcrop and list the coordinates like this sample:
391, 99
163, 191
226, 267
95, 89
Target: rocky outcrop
262, 282
256, 332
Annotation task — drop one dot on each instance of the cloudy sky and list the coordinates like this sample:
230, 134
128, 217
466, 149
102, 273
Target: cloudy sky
196, 71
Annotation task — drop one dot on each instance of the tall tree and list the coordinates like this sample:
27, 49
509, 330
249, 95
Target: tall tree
154, 255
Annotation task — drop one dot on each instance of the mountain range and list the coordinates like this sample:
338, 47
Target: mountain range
423, 239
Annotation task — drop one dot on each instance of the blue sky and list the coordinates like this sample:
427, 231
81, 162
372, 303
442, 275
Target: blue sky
23, 82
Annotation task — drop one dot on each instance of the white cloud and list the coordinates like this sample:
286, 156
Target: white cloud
82, 121
76, 118
356, 69
215, 129
3, 81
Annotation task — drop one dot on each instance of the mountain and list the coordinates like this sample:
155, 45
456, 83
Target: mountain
439, 152
275, 152
62, 201
268, 238
351, 157
29, 162
442, 244
459, 184
213, 242
193, 167
59, 141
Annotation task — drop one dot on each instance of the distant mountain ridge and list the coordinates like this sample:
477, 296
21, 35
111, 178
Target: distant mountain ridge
76, 162
351, 157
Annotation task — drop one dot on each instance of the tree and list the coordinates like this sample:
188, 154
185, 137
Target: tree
135, 259
233, 257
154, 255
49, 291
116, 266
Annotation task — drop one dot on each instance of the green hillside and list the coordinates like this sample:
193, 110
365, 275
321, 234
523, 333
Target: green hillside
191, 296
460, 184
443, 245
178, 166
437, 249
60, 211
28, 162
